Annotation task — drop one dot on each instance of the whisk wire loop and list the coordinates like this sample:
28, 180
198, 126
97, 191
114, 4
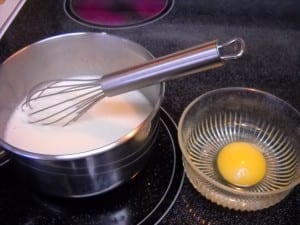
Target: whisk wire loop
71, 98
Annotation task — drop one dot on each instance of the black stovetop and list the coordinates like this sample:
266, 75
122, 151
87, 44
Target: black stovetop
271, 30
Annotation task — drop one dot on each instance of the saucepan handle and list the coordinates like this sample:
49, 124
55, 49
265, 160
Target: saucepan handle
4, 157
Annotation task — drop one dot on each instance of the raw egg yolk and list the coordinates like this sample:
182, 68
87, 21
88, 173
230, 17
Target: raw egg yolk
241, 164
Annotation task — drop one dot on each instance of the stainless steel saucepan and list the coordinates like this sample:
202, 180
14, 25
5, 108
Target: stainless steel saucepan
97, 170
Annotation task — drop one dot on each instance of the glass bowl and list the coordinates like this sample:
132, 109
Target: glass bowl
228, 115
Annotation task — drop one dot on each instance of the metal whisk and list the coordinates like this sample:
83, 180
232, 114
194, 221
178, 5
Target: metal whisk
63, 101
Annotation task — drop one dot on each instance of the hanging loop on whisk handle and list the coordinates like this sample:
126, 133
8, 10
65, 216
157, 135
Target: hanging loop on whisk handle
193, 60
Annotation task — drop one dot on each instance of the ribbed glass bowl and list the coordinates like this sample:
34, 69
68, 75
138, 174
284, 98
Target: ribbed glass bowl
228, 115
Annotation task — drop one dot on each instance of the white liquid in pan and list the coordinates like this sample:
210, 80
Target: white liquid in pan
107, 121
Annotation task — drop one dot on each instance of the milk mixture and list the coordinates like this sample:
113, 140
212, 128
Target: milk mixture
107, 121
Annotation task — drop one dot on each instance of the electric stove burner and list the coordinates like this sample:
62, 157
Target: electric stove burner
146, 199
116, 13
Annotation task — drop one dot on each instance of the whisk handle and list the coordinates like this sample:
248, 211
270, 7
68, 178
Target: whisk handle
197, 59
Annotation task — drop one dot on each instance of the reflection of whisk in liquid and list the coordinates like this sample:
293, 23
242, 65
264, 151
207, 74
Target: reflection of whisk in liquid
66, 100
